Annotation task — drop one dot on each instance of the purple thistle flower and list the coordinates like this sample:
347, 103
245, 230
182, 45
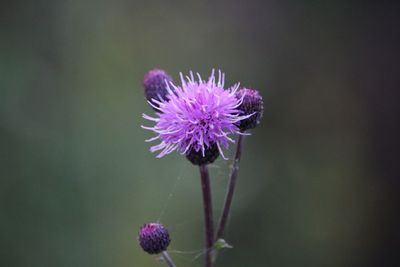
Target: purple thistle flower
153, 238
195, 116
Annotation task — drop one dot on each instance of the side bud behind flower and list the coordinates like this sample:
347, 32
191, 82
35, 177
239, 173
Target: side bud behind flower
211, 153
154, 238
155, 86
252, 104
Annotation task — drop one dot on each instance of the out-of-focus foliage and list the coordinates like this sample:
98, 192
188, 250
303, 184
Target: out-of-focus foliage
317, 182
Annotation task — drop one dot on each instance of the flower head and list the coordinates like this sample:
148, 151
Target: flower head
155, 84
252, 104
153, 238
196, 116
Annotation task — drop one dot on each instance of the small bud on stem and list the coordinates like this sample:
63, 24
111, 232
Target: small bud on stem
154, 238
155, 85
252, 104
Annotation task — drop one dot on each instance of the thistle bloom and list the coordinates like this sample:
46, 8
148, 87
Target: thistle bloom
154, 238
196, 116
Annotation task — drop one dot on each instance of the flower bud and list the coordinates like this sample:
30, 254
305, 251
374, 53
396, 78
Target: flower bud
211, 153
154, 238
155, 85
252, 104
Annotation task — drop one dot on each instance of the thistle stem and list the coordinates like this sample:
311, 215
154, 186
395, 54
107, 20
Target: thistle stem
208, 214
231, 188
168, 259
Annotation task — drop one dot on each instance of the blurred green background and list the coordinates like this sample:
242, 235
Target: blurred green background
318, 182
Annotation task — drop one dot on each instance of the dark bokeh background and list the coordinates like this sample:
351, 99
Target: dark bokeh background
318, 183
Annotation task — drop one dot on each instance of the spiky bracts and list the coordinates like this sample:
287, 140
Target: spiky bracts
153, 238
155, 84
252, 104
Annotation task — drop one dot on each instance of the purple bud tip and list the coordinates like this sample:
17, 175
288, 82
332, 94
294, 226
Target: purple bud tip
154, 238
155, 85
211, 153
252, 103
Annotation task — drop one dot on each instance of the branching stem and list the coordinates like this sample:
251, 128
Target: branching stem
231, 189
